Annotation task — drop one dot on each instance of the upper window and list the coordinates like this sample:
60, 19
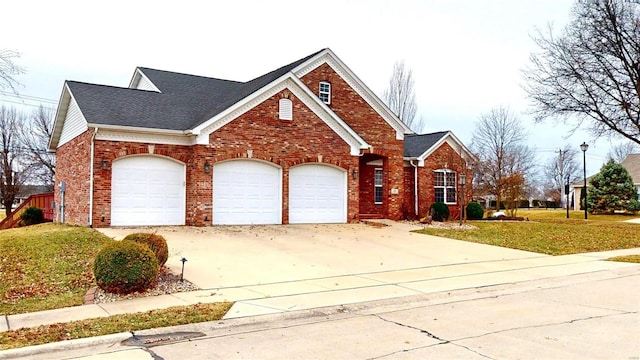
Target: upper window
445, 186
377, 186
325, 92
286, 109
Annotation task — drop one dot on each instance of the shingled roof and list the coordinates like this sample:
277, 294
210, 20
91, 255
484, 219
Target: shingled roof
632, 164
416, 145
184, 100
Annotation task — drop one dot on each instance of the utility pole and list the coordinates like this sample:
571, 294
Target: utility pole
561, 170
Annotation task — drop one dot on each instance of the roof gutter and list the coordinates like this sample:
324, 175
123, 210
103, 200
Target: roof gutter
415, 186
140, 129
93, 138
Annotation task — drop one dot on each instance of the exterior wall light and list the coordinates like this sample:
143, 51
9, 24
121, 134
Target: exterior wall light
105, 165
207, 167
355, 173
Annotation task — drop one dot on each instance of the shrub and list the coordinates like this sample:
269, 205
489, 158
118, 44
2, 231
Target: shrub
124, 267
155, 242
439, 211
31, 216
474, 211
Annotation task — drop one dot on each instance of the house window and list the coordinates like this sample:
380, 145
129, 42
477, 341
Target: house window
325, 92
445, 186
377, 186
285, 109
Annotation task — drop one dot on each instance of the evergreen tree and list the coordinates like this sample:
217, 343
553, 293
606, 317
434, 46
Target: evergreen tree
612, 189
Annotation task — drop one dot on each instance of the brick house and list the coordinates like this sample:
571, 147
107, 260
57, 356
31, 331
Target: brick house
305, 143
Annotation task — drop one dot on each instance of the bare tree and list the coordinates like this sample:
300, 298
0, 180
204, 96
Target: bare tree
499, 143
8, 69
591, 71
11, 176
401, 98
620, 151
558, 168
35, 133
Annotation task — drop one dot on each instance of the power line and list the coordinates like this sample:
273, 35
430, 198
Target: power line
27, 97
21, 103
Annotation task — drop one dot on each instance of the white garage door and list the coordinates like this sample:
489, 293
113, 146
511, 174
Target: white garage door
147, 190
317, 194
246, 192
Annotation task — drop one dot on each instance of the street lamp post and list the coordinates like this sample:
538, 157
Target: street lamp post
584, 148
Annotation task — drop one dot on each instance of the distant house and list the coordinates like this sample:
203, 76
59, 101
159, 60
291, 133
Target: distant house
631, 163
28, 190
308, 142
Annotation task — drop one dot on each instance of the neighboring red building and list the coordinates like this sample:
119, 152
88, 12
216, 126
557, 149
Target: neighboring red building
306, 143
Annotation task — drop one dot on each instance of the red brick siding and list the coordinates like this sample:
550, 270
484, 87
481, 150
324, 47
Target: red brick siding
286, 144
72, 167
365, 121
444, 154
409, 211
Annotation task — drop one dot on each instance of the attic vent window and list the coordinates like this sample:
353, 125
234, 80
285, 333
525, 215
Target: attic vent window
325, 92
286, 109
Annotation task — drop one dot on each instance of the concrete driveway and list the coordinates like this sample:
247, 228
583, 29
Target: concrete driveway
282, 268
232, 256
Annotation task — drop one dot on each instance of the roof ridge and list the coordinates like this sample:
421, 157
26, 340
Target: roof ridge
108, 86
431, 133
185, 74
291, 65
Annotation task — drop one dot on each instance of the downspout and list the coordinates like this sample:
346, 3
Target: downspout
415, 186
93, 137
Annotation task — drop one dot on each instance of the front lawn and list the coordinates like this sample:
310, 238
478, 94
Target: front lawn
548, 232
46, 266
626, 258
178, 315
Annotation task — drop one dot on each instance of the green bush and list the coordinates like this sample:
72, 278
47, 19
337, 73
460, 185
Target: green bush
31, 216
475, 211
124, 266
439, 211
155, 242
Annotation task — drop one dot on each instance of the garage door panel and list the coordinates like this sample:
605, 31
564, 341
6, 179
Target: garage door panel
147, 190
317, 194
247, 192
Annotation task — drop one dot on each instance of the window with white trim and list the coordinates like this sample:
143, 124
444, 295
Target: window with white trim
325, 92
377, 186
285, 109
445, 186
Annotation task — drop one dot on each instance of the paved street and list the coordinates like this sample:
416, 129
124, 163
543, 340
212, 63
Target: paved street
591, 316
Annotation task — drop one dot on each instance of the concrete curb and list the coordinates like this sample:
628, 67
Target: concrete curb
64, 345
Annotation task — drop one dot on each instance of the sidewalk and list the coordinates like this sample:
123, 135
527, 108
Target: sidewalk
281, 297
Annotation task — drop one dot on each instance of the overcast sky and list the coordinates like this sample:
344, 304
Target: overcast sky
466, 55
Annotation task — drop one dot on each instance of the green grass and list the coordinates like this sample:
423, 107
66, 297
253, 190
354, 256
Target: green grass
626, 258
549, 232
560, 214
113, 324
46, 266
